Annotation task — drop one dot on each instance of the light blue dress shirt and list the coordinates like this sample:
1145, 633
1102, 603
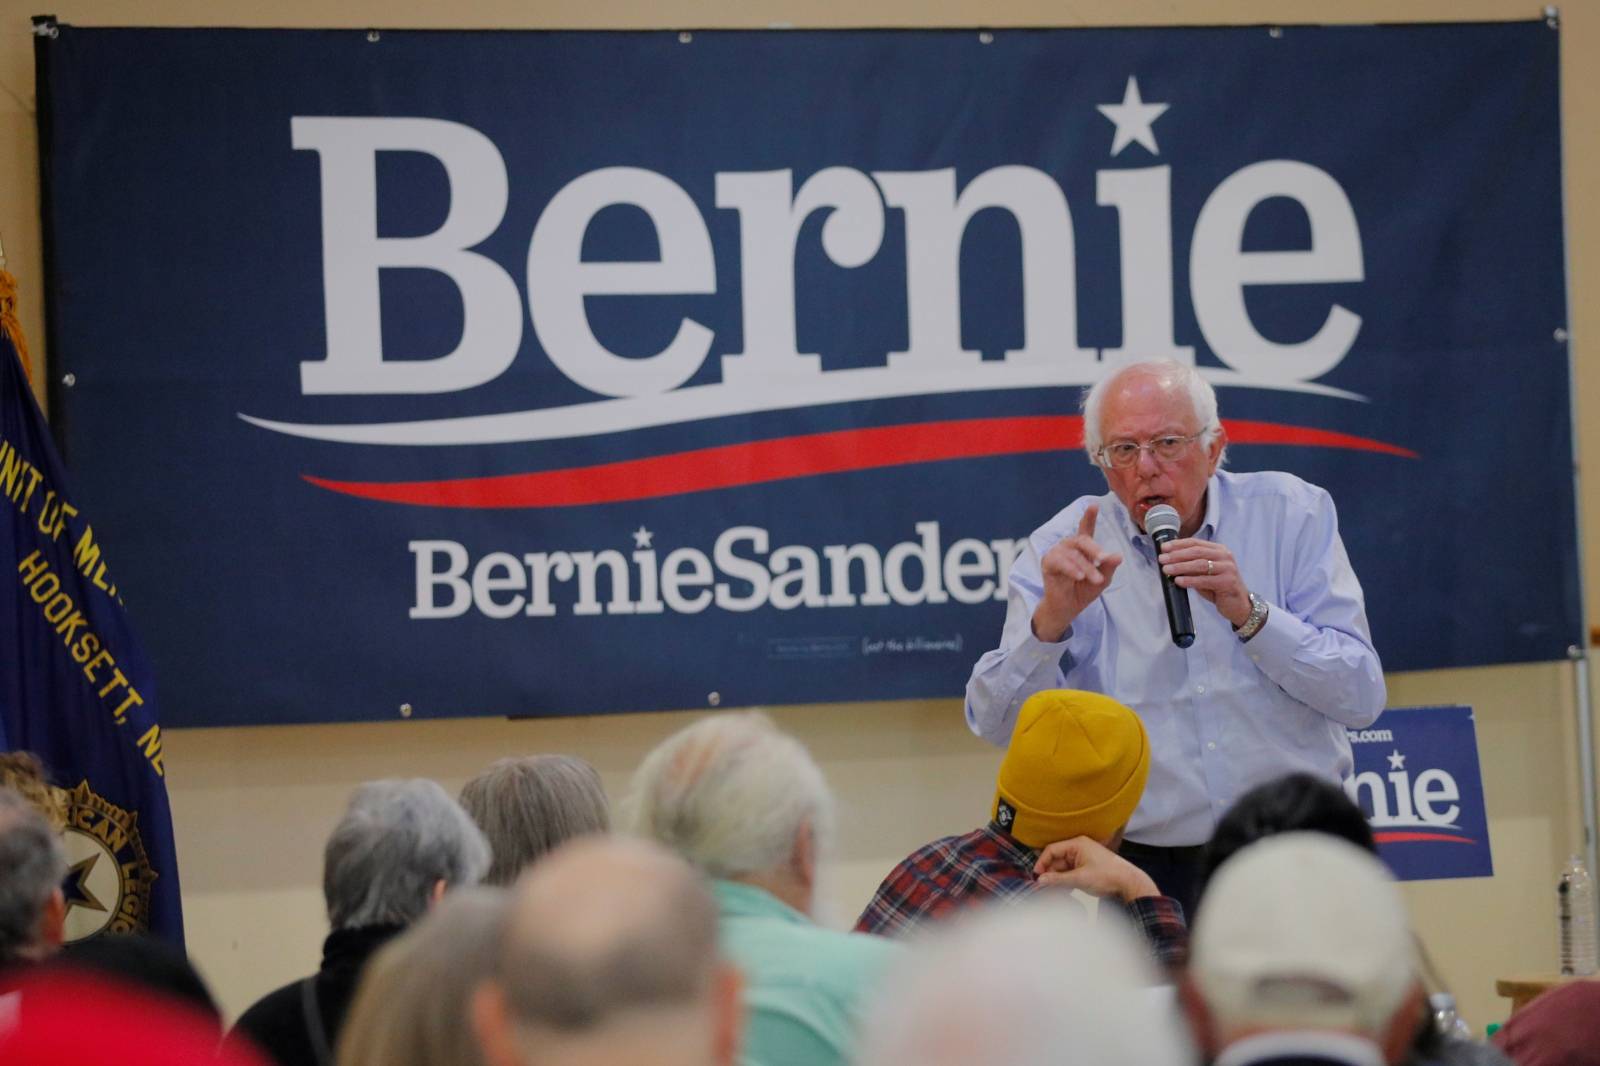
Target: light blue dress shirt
1224, 715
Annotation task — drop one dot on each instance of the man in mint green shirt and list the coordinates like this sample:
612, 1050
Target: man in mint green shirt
748, 806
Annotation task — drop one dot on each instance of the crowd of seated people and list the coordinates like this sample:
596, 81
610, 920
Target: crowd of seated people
514, 927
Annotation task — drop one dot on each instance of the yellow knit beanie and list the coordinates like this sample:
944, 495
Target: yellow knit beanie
1076, 767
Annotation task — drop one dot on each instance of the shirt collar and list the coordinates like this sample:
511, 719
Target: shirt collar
1016, 850
1208, 524
1135, 535
736, 899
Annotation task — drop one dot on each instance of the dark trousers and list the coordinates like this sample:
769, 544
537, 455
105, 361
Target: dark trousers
1176, 871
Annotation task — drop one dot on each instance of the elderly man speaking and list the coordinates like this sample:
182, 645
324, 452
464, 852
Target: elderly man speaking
1281, 662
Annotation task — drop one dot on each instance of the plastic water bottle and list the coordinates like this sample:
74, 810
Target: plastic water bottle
1575, 919
1447, 1019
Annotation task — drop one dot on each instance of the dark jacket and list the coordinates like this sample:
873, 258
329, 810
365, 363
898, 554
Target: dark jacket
299, 1024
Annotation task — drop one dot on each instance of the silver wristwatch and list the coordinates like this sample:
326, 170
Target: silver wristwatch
1258, 618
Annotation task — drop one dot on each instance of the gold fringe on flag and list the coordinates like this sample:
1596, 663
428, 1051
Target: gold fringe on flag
11, 324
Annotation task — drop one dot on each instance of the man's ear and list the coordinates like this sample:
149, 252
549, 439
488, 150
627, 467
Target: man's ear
1214, 452
727, 1005
1199, 1015
440, 887
803, 856
53, 922
1401, 1032
491, 1025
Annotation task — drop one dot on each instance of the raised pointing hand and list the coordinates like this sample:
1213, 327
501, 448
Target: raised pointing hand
1075, 571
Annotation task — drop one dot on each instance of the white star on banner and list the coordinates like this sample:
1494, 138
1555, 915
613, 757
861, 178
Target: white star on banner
1397, 761
1133, 118
641, 538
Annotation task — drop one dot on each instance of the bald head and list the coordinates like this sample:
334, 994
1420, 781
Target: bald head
610, 944
604, 927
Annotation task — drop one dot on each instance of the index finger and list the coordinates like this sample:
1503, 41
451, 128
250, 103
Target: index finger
1086, 523
1060, 851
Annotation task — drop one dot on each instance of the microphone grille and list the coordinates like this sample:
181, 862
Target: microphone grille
1161, 517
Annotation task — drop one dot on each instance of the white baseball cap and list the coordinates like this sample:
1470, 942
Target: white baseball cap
1303, 930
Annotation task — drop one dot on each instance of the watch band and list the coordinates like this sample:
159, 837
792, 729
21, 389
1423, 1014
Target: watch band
1258, 618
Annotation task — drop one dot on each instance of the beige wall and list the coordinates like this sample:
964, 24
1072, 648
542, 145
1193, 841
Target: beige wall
252, 806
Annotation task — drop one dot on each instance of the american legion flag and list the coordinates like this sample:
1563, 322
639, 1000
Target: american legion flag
75, 687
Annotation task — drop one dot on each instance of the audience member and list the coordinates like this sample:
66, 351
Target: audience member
1560, 1028
22, 771
1285, 804
1037, 984
747, 805
60, 1017
33, 910
1303, 953
1071, 777
527, 805
399, 846
1303, 802
153, 966
413, 1003
610, 957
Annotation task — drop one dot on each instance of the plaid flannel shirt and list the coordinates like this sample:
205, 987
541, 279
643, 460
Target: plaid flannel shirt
987, 864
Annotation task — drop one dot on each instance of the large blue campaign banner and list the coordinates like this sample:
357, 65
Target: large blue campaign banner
1418, 781
548, 373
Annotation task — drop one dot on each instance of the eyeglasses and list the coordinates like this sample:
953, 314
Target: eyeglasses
1122, 454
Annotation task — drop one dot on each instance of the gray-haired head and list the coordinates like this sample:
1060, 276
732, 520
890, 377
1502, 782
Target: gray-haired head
731, 794
526, 805
397, 840
32, 866
1034, 984
1172, 375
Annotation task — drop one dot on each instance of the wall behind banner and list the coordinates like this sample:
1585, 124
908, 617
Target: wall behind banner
252, 806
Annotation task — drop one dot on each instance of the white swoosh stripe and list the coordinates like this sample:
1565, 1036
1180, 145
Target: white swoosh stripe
701, 402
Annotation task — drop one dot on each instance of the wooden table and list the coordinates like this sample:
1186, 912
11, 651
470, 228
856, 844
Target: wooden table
1524, 988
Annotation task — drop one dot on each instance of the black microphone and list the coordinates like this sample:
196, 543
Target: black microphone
1161, 522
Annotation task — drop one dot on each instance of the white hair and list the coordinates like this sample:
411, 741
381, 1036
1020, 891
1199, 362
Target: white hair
1172, 375
730, 794
1036, 983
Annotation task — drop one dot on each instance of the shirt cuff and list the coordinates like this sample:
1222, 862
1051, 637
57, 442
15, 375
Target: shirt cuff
1033, 653
1166, 933
1274, 645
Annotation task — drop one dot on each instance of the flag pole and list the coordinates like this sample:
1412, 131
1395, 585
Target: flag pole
1578, 653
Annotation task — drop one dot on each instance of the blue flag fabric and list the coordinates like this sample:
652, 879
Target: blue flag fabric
76, 688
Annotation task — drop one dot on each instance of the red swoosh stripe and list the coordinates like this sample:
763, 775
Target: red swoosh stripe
1402, 838
1275, 433
784, 458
